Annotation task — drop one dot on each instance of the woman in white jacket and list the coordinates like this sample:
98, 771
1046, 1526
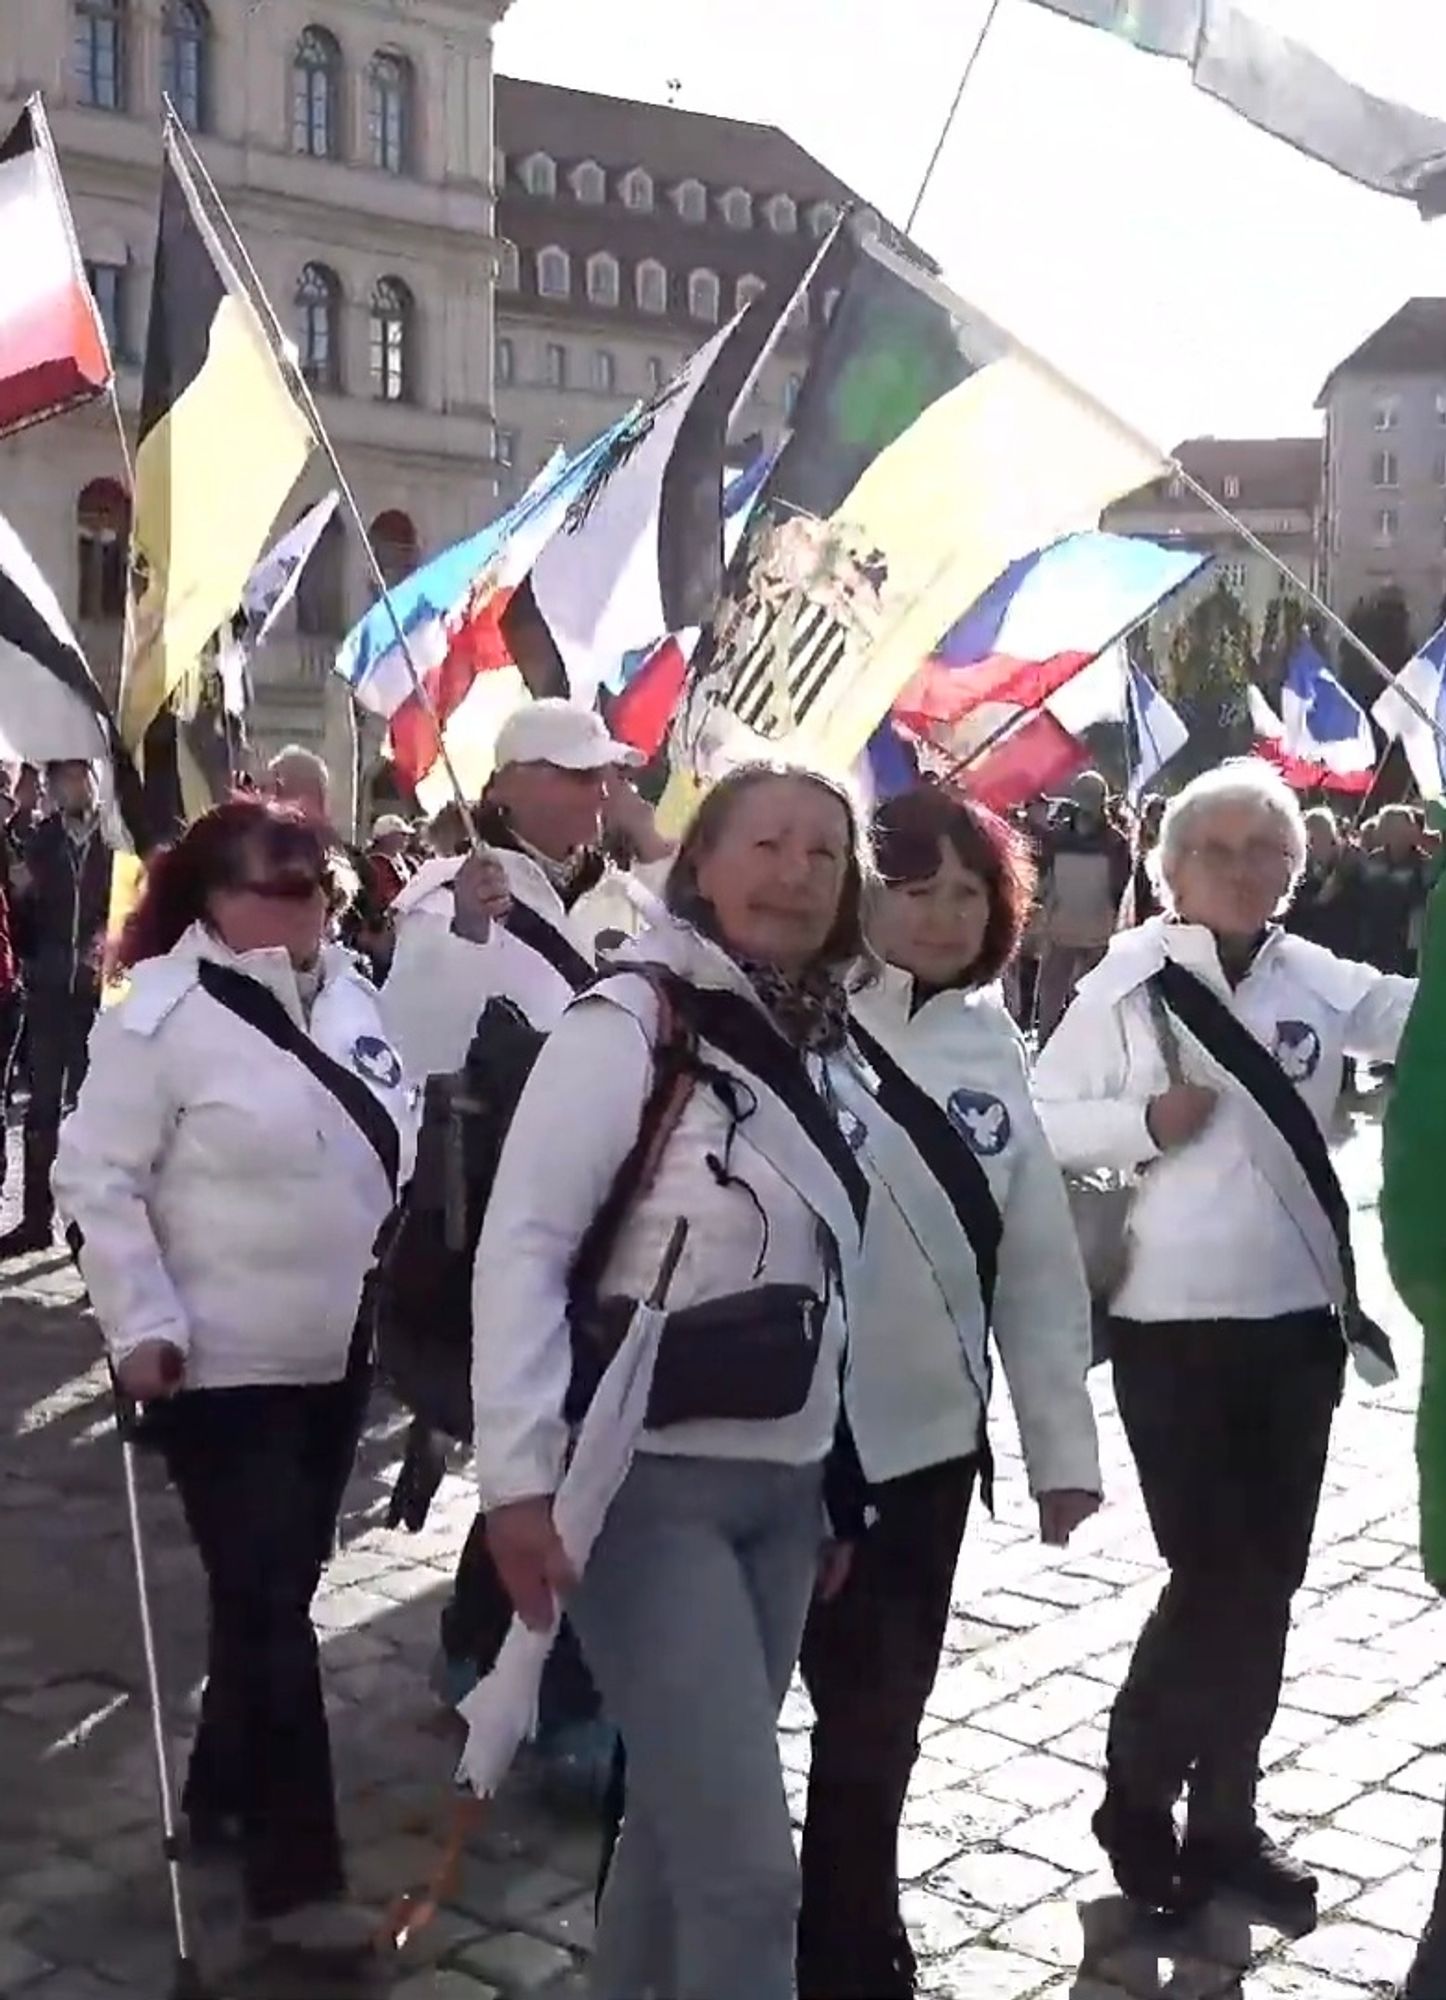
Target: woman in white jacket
692, 1603
1226, 1332
946, 922
232, 1156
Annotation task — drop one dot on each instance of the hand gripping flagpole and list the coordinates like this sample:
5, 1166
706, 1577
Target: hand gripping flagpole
301, 389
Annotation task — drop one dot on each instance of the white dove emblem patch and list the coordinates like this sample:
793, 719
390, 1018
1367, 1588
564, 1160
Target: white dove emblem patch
1297, 1049
981, 1121
374, 1059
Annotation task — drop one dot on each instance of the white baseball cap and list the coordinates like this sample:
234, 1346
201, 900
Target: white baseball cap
558, 732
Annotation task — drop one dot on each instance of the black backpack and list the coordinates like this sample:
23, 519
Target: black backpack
424, 1283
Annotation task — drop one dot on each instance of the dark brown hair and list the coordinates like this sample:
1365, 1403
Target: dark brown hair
845, 941
909, 834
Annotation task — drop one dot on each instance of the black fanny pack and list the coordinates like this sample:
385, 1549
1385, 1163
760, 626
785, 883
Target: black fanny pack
749, 1357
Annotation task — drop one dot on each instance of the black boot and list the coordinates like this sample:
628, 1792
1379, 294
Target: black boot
36, 1227
1142, 1847
1251, 1868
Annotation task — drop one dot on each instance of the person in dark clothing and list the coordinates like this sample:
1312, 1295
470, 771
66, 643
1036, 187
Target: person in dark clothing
62, 902
1142, 899
1329, 906
1395, 881
1087, 872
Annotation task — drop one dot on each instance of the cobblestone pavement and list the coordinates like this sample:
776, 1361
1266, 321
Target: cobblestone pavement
1005, 1890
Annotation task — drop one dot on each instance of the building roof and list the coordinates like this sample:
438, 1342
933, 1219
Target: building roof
1273, 474
1412, 342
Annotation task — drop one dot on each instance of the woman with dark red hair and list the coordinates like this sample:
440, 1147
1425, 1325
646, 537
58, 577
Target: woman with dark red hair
233, 1154
998, 1259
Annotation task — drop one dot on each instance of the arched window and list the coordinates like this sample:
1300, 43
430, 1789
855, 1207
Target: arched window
391, 94
507, 266
651, 283
186, 61
782, 213
318, 325
554, 273
790, 393
637, 190
589, 183
504, 362
691, 201
703, 296
102, 538
604, 372
602, 278
830, 302
737, 208
747, 290
316, 96
395, 541
321, 587
99, 53
392, 328
657, 373
822, 217
539, 175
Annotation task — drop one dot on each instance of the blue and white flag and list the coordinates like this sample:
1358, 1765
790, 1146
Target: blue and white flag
1154, 732
1323, 726
1425, 678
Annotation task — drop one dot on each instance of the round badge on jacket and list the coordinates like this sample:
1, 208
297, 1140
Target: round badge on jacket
1297, 1049
982, 1121
377, 1061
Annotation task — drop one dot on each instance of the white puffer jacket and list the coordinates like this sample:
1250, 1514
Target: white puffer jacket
915, 1368
226, 1201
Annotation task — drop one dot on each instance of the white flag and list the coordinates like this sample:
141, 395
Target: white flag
272, 584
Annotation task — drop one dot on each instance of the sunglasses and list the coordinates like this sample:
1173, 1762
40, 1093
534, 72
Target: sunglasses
287, 888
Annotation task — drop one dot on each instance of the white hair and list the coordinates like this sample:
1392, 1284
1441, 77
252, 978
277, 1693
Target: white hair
1240, 781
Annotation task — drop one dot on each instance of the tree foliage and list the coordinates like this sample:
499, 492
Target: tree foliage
1210, 664
1381, 621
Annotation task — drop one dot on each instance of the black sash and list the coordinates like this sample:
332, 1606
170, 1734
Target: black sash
260, 1009
948, 1159
1233, 1046
548, 942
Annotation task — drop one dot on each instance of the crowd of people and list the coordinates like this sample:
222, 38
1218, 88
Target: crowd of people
766, 1079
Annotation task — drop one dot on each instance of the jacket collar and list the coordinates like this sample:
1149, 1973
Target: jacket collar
270, 968
676, 945
1137, 955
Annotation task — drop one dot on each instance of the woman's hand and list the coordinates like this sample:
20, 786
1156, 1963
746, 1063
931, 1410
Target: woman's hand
1176, 1116
152, 1371
531, 1560
627, 813
1062, 1512
480, 897
833, 1570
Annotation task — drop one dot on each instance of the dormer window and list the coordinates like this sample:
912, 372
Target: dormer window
691, 201
539, 175
589, 183
637, 190
782, 213
737, 208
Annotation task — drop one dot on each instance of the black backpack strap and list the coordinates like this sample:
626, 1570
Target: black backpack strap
260, 1009
548, 942
944, 1153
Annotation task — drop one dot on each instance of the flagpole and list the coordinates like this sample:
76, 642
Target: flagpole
301, 389
948, 125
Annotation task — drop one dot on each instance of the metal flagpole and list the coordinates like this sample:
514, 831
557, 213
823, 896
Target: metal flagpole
948, 125
300, 388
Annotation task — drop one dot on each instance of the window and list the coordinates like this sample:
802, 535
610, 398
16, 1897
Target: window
539, 175
392, 319
321, 587
637, 190
318, 326
185, 61
507, 266
102, 537
505, 364
1387, 522
782, 213
316, 96
657, 373
691, 200
589, 183
604, 372
100, 53
499, 170
554, 273
703, 296
737, 208
651, 282
1383, 468
746, 291
830, 302
602, 278
1438, 470
821, 218
390, 96
790, 393
1175, 487
1236, 579
1441, 406
555, 365
504, 449
395, 541
1386, 413
1230, 487
108, 288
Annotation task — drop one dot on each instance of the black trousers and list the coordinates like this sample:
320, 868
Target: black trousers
1229, 1422
475, 1623
261, 1473
57, 1031
869, 1663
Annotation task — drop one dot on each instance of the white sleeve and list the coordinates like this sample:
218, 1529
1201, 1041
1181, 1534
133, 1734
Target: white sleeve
1080, 1079
1042, 1324
111, 1147
1378, 1019
574, 1125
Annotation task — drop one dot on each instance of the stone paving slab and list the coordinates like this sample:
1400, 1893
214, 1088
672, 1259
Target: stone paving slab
1006, 1894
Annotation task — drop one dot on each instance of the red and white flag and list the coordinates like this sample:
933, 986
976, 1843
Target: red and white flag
53, 350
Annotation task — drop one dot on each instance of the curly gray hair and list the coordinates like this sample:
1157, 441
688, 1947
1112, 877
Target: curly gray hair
1241, 781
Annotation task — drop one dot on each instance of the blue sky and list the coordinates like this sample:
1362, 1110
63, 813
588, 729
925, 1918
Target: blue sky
1201, 277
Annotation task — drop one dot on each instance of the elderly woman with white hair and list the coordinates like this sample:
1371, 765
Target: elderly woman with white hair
1205, 1056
